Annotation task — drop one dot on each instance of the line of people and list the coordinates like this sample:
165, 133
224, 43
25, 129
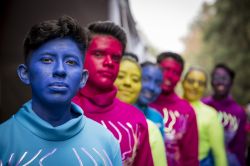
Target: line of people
94, 104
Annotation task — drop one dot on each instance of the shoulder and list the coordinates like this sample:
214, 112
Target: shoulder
155, 112
99, 131
128, 109
206, 100
209, 111
6, 125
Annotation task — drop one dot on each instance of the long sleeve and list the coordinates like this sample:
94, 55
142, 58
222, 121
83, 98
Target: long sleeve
240, 149
157, 145
216, 140
190, 143
144, 156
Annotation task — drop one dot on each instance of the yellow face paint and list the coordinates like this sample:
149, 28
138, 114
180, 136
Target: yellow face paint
128, 82
194, 85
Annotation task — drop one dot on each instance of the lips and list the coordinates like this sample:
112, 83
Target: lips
106, 74
58, 86
221, 87
167, 82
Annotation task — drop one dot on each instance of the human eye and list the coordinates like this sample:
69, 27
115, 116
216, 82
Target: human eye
116, 58
190, 81
46, 60
98, 54
120, 76
136, 79
71, 62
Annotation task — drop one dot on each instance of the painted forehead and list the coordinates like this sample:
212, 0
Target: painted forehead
105, 40
196, 74
130, 65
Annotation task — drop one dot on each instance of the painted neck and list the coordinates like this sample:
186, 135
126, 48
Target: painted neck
54, 114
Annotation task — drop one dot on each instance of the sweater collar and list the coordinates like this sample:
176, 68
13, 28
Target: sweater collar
170, 98
98, 103
29, 119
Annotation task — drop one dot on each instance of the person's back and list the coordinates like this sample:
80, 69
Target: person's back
232, 115
49, 129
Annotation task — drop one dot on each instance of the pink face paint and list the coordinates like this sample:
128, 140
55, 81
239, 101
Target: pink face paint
102, 61
171, 74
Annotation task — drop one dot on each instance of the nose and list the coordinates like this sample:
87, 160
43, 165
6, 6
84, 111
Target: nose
59, 70
108, 61
127, 82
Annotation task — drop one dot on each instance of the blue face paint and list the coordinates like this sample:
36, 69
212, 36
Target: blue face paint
55, 72
152, 79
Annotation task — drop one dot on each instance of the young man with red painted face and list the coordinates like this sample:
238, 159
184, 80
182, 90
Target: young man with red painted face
181, 133
233, 117
107, 43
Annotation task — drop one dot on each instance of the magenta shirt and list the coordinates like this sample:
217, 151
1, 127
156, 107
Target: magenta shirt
126, 122
181, 133
233, 118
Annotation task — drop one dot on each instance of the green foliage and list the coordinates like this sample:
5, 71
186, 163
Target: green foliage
225, 27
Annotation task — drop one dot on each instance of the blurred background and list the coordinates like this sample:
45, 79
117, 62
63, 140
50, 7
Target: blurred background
204, 32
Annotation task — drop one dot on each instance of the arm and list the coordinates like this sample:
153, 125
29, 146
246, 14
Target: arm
238, 144
216, 140
189, 144
143, 155
157, 145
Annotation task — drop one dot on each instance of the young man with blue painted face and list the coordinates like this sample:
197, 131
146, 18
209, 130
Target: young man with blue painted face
233, 117
50, 129
152, 79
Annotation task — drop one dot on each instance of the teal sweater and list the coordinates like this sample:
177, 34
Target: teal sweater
26, 139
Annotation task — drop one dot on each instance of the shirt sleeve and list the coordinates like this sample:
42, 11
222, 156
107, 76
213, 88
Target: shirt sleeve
143, 155
189, 145
117, 159
157, 145
238, 144
216, 140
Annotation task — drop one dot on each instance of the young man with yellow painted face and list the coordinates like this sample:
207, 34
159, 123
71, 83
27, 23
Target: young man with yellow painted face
211, 137
128, 81
129, 86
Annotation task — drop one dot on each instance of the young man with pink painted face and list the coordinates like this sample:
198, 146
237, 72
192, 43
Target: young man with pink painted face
181, 133
232, 115
107, 43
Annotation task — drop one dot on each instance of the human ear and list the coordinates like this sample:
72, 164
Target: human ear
85, 75
23, 74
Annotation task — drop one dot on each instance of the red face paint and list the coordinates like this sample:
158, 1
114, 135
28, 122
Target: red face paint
102, 61
171, 74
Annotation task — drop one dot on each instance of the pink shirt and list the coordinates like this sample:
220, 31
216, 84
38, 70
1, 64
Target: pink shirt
126, 122
181, 133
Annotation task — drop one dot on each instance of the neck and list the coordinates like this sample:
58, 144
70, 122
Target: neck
140, 104
93, 90
55, 114
167, 93
220, 97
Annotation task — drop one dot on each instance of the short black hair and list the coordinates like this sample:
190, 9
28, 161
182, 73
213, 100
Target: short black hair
131, 55
148, 63
108, 28
226, 68
42, 32
172, 55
